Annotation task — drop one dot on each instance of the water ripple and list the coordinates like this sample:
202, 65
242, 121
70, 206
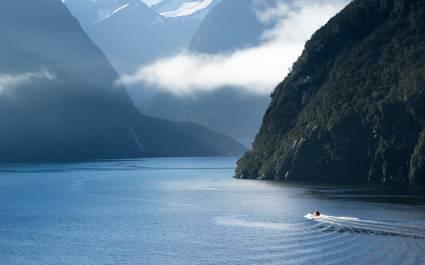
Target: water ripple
331, 240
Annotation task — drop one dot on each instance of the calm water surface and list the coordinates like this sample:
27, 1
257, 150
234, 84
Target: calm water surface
190, 211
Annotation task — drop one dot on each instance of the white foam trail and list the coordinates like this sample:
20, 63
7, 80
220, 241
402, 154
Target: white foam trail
369, 226
342, 218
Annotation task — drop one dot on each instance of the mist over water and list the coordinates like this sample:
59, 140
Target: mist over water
190, 211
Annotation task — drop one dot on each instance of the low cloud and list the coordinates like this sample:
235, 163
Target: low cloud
258, 69
271, 11
10, 81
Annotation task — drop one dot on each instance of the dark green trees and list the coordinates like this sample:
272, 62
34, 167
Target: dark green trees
353, 108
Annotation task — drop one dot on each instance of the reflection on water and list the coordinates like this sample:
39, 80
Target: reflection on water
190, 211
385, 194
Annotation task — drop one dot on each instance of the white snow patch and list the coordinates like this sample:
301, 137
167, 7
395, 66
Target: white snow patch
103, 16
187, 9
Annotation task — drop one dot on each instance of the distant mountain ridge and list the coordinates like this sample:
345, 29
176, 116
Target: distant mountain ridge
58, 101
230, 25
352, 109
228, 110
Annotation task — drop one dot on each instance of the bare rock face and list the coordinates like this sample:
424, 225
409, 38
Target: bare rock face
353, 108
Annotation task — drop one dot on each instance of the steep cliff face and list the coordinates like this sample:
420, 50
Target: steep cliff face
230, 25
58, 100
353, 107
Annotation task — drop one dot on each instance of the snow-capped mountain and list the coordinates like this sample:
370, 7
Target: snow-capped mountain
133, 34
94, 11
130, 32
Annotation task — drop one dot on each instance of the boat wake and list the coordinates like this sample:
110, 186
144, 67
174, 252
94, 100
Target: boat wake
356, 225
251, 224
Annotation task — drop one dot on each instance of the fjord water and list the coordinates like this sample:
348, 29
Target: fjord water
191, 211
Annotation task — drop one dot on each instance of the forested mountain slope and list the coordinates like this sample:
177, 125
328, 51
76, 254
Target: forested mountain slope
353, 107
